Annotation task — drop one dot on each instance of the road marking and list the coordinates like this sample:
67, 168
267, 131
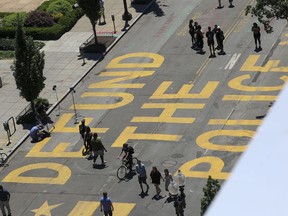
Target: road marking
66, 117
83, 208
283, 43
215, 168
126, 99
203, 140
63, 174
232, 61
236, 83
206, 92
169, 110
234, 122
156, 63
45, 209
58, 151
249, 98
125, 75
249, 64
128, 133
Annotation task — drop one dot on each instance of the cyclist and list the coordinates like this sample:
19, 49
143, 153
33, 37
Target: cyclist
128, 155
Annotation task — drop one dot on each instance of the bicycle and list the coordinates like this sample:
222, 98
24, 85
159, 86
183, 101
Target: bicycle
3, 157
122, 170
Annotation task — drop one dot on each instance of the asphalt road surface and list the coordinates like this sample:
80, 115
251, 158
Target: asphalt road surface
179, 109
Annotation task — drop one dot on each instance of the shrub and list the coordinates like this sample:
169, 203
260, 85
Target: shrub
56, 16
39, 19
7, 44
11, 20
6, 54
60, 6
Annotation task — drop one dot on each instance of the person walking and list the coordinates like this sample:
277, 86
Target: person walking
82, 129
142, 176
219, 4
192, 32
257, 36
97, 149
102, 14
195, 36
210, 41
231, 4
156, 177
4, 201
167, 179
220, 37
106, 205
87, 141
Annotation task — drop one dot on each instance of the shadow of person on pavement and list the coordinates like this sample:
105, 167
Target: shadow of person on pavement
156, 9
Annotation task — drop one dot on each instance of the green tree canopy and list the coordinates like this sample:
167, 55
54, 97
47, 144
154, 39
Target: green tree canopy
91, 8
210, 190
28, 66
267, 10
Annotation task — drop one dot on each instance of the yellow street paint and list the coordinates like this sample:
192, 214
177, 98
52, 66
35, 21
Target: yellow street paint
123, 209
234, 122
125, 75
45, 209
203, 140
236, 83
206, 92
283, 43
58, 151
66, 117
169, 110
249, 98
84, 208
279, 69
215, 170
249, 64
63, 171
126, 99
128, 133
156, 63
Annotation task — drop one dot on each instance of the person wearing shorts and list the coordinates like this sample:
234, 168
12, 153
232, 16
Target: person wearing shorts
97, 149
142, 176
257, 35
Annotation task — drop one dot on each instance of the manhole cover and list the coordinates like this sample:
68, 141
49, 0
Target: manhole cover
169, 163
155, 206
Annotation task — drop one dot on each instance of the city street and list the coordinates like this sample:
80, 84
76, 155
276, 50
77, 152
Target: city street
177, 108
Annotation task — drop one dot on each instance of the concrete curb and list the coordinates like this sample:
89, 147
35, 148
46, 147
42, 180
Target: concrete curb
51, 109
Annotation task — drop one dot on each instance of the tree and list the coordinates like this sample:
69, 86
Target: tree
28, 66
210, 190
91, 8
267, 10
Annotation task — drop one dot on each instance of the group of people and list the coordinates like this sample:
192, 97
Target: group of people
197, 38
93, 146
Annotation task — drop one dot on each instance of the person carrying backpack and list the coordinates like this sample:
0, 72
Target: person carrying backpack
98, 149
210, 41
128, 155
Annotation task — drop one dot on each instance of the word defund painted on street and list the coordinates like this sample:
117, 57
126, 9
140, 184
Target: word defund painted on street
166, 116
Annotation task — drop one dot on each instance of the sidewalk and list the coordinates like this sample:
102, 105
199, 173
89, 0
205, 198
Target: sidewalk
63, 67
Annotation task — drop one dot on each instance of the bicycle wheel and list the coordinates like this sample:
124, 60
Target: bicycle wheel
121, 172
3, 158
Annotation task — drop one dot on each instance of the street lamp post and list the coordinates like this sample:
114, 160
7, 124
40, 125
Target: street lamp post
179, 199
126, 16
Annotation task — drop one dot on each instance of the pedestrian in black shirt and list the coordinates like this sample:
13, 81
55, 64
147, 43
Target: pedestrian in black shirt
200, 42
220, 37
4, 201
192, 32
195, 35
257, 36
210, 41
156, 177
214, 31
